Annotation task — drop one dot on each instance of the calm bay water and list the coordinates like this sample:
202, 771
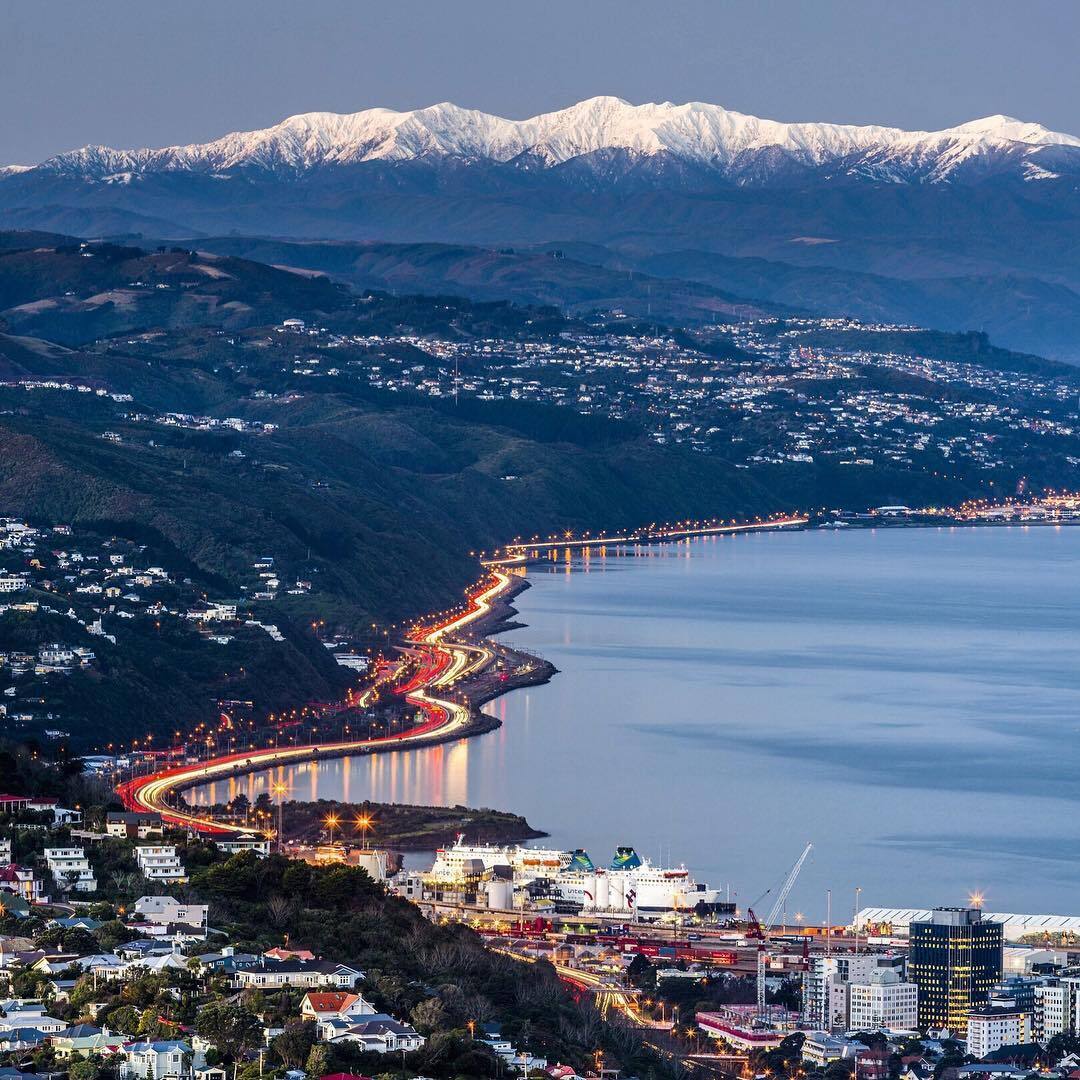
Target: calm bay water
908, 700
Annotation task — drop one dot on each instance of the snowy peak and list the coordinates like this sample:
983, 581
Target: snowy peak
734, 145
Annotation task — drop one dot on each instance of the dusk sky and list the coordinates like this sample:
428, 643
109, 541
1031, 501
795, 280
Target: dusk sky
131, 73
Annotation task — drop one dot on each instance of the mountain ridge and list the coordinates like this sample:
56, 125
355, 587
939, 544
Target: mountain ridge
736, 145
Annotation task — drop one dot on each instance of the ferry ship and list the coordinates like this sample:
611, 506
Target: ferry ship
630, 885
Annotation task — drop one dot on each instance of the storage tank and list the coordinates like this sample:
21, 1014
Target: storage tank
500, 894
617, 892
374, 862
602, 895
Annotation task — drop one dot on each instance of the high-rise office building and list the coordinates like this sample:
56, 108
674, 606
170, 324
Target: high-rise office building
955, 961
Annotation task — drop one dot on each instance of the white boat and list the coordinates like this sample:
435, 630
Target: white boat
631, 885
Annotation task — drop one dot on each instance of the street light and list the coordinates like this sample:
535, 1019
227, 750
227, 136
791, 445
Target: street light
331, 821
280, 790
363, 822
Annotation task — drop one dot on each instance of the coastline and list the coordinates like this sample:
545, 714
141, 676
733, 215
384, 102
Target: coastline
491, 613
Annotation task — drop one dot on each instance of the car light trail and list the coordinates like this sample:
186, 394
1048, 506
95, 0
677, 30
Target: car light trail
444, 662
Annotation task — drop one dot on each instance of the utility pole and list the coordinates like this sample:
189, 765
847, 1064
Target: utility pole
855, 918
828, 922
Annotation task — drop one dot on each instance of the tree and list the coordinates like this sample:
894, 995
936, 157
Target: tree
232, 1030
641, 973
124, 1018
68, 939
88, 1068
429, 1016
318, 1062
114, 933
294, 1044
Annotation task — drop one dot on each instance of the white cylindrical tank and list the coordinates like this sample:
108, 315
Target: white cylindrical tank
602, 895
374, 862
500, 895
617, 892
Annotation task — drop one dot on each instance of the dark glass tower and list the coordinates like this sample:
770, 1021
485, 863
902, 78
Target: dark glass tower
955, 961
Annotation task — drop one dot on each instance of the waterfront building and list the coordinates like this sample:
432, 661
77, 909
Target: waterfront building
885, 1001
897, 922
955, 960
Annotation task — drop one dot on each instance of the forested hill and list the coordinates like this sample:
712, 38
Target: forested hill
199, 432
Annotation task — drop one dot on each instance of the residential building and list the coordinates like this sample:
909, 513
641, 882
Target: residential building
84, 1040
133, 825
1056, 1009
273, 974
160, 862
102, 966
161, 1060
20, 880
381, 1035
825, 986
245, 842
31, 1015
167, 910
14, 804
71, 869
886, 1001
1052, 1014
334, 1005
992, 1026
955, 960
821, 1049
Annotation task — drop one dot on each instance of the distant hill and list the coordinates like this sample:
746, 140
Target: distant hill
74, 292
522, 276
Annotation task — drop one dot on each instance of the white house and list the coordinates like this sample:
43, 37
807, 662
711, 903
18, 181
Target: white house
129, 824
20, 880
244, 842
334, 1005
32, 1017
163, 1060
381, 1034
274, 974
71, 869
165, 910
159, 862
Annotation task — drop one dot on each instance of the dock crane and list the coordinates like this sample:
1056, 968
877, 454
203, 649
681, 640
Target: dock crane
759, 931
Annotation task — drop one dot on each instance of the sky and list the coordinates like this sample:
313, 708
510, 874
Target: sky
130, 73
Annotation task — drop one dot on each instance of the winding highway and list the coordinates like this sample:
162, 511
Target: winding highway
442, 662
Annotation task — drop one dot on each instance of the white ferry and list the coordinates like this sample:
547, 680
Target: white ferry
630, 885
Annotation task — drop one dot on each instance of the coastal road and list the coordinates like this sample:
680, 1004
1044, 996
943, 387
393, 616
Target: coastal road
443, 662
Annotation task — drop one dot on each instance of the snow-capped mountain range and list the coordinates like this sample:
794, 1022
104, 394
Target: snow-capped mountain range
695, 136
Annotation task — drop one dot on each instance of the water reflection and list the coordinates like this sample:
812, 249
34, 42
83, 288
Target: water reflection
909, 700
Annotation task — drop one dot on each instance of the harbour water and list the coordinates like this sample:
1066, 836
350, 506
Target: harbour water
907, 699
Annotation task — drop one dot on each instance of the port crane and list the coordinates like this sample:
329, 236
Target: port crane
759, 932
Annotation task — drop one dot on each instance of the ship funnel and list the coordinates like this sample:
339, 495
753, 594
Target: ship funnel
580, 860
626, 858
